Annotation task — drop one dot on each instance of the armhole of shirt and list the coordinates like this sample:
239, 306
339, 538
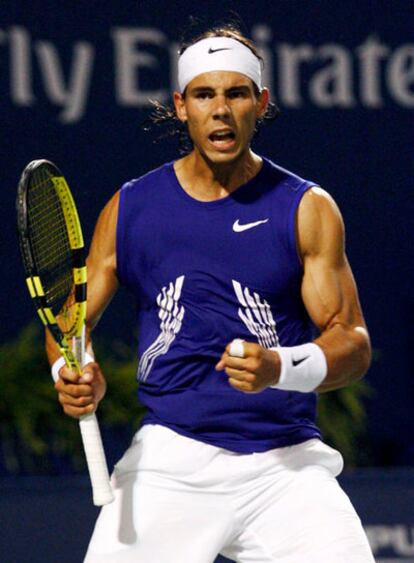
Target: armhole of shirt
292, 220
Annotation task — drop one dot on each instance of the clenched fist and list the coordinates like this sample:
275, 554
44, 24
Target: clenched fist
80, 394
258, 369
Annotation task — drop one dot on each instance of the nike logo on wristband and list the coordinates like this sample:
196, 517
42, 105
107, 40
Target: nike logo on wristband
211, 51
297, 362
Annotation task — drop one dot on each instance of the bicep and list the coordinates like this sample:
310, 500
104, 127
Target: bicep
330, 295
101, 262
328, 289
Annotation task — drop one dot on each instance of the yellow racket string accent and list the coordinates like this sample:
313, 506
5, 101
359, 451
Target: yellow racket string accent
42, 317
35, 286
48, 246
69, 211
49, 316
38, 286
78, 320
30, 286
72, 319
69, 356
79, 275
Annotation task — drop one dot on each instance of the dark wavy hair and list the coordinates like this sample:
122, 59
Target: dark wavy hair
164, 115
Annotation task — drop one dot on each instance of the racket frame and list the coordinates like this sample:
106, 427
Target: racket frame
73, 356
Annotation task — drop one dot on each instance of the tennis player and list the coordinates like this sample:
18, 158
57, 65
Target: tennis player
247, 309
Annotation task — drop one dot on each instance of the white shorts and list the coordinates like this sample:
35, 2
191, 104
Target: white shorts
182, 501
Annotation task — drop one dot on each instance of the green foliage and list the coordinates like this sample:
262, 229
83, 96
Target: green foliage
35, 434
342, 419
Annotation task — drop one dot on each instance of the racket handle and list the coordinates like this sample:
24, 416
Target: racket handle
95, 458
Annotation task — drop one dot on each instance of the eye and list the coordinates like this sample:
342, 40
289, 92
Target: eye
203, 95
234, 94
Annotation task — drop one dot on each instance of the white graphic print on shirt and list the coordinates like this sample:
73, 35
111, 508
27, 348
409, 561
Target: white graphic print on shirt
257, 316
171, 315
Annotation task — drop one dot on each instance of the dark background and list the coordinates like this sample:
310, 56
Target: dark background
347, 123
355, 138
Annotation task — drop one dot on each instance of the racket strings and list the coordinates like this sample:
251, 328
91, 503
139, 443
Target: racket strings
50, 241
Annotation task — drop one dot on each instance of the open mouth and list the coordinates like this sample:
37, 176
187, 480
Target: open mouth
222, 139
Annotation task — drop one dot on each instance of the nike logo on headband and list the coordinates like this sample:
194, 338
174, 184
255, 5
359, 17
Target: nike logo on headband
297, 362
210, 51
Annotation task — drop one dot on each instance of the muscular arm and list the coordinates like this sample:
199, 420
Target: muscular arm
330, 296
329, 291
101, 263
80, 395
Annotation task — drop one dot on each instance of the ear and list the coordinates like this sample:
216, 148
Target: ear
263, 102
179, 104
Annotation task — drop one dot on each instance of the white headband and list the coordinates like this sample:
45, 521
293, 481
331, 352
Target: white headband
218, 53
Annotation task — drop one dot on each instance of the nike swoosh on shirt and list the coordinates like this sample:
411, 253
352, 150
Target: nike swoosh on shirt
237, 228
297, 362
210, 51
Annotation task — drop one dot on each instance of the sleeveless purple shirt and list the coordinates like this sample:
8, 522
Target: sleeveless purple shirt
204, 273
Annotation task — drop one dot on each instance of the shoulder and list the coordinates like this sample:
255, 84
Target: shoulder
320, 226
317, 201
148, 180
286, 178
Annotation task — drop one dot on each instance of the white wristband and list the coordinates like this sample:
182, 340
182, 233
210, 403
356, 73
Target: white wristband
303, 367
60, 362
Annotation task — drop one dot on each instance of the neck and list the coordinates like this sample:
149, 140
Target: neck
208, 181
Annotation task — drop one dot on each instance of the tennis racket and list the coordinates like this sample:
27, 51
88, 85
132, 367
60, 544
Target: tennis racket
52, 248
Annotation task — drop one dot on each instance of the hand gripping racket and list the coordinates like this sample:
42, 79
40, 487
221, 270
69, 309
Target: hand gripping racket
52, 249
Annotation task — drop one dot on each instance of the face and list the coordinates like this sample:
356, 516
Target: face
221, 110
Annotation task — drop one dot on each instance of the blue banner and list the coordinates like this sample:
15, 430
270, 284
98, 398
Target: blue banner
76, 84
